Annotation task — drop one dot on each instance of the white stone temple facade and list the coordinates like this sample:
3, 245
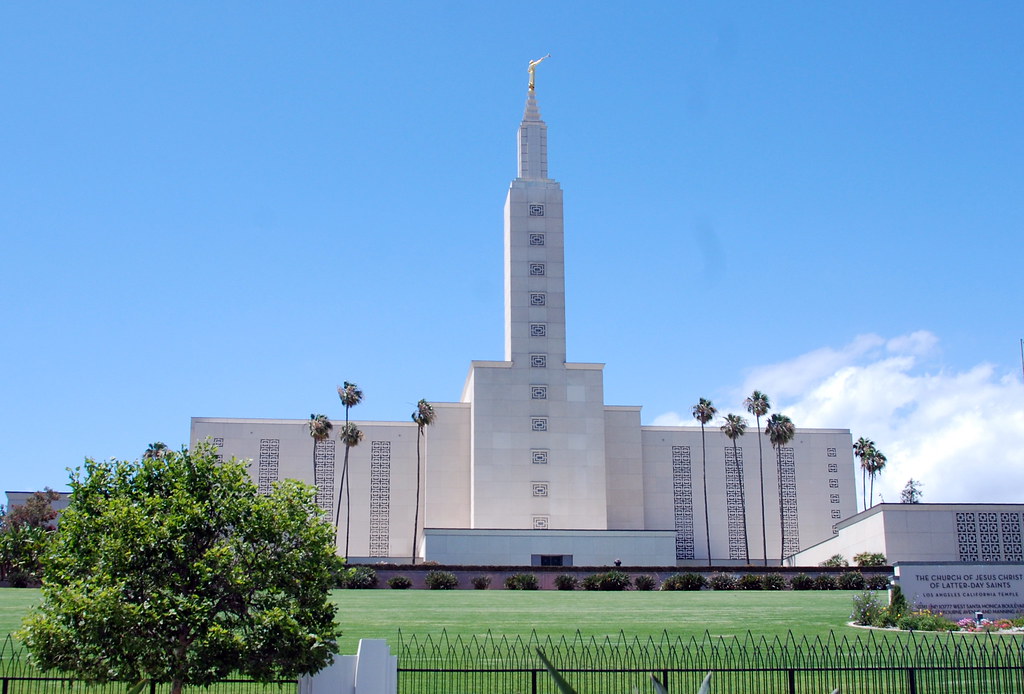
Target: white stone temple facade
532, 467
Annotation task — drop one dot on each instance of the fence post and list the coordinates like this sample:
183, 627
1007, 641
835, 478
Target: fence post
533, 681
792, 680
912, 675
152, 687
664, 678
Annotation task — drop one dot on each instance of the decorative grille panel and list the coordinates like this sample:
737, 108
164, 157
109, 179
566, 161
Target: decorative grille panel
325, 476
540, 488
537, 269
787, 494
539, 361
682, 498
541, 523
538, 329
539, 392
539, 456
538, 299
380, 498
537, 239
536, 210
270, 450
735, 502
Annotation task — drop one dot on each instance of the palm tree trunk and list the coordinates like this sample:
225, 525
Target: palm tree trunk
864, 488
760, 468
416, 515
872, 496
704, 469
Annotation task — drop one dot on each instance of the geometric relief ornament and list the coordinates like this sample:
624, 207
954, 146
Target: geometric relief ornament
734, 502
787, 494
539, 456
537, 269
833, 468
537, 239
830, 452
682, 501
540, 488
1011, 536
325, 476
989, 540
541, 523
270, 450
967, 535
539, 392
380, 498
538, 361
538, 330
536, 210
539, 423
538, 299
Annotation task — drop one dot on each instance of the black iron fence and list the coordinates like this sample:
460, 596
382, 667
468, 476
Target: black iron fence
19, 676
898, 663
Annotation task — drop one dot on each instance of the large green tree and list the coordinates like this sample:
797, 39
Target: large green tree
780, 431
734, 427
176, 570
424, 416
350, 396
704, 412
758, 405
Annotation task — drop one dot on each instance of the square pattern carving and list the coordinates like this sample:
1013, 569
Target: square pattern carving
989, 536
538, 299
541, 523
787, 493
538, 329
539, 423
218, 442
539, 361
830, 452
537, 269
270, 452
833, 468
833, 498
682, 501
324, 476
833, 483
380, 498
540, 488
537, 239
539, 456
734, 501
539, 392
836, 513
536, 210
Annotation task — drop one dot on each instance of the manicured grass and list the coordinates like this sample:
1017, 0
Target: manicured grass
467, 613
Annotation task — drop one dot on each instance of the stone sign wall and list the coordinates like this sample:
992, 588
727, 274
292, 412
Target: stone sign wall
959, 590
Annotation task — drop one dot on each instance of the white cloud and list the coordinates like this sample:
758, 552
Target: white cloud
960, 433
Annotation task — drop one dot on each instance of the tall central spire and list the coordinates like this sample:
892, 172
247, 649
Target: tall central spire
533, 142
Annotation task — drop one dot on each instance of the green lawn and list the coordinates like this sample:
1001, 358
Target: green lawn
382, 613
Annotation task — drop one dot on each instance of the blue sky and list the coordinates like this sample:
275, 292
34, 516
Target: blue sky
226, 209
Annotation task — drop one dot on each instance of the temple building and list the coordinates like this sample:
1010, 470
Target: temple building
531, 466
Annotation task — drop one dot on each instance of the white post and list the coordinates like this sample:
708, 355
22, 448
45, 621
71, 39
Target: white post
373, 670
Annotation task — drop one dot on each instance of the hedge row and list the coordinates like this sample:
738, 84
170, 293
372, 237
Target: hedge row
363, 577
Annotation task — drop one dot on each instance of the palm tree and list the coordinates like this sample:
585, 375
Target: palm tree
320, 429
780, 431
865, 450
704, 412
350, 396
155, 450
758, 405
878, 461
734, 427
350, 436
423, 416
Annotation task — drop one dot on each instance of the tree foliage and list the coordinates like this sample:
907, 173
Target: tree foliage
25, 531
911, 493
175, 569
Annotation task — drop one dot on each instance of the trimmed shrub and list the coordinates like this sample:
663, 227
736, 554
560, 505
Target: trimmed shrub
801, 582
826, 582
835, 560
399, 582
722, 582
358, 578
645, 582
851, 580
609, 580
925, 620
441, 580
773, 582
878, 582
688, 581
481, 582
522, 582
869, 559
566, 582
749, 582
20, 579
